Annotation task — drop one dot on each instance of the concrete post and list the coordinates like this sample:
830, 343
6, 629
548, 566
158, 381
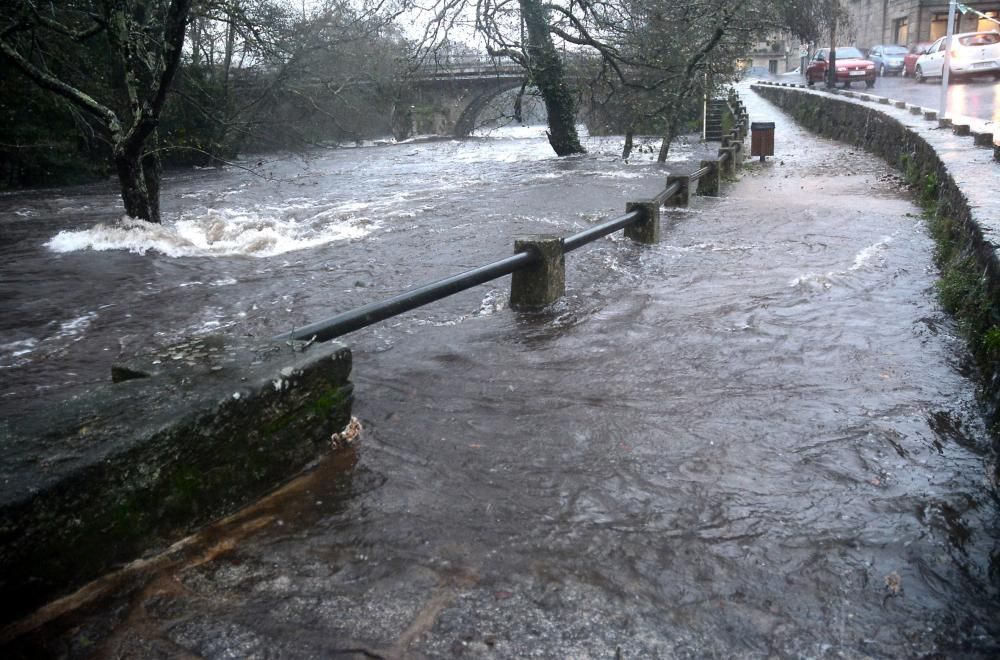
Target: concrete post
982, 138
962, 130
900, 104
683, 196
543, 283
930, 115
729, 168
647, 232
738, 156
709, 184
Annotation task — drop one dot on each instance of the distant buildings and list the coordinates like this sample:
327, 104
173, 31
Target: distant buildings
908, 22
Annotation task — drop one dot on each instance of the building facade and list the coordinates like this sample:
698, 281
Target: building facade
909, 22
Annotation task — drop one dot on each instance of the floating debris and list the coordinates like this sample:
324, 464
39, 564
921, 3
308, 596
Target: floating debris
346, 437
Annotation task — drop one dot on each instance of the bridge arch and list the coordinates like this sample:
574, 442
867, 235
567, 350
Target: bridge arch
448, 99
466, 122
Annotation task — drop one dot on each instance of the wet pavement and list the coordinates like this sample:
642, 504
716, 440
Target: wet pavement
758, 438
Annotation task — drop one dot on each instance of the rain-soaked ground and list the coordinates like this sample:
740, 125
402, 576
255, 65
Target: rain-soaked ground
758, 438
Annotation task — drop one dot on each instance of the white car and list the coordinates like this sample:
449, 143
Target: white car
971, 53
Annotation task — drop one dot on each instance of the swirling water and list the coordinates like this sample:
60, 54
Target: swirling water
757, 438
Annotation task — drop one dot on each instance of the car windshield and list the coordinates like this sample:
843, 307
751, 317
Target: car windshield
844, 53
894, 50
984, 39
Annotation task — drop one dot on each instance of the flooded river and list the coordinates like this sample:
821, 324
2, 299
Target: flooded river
758, 438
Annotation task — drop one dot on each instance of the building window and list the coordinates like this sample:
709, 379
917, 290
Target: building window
900, 31
939, 26
985, 25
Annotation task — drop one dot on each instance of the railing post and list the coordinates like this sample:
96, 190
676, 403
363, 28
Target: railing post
737, 141
729, 167
709, 183
647, 231
683, 196
543, 283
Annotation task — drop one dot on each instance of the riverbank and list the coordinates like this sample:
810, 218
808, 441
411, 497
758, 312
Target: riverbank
755, 438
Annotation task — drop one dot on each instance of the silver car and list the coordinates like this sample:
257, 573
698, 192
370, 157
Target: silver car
888, 59
972, 53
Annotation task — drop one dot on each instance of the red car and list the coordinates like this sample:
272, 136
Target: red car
910, 61
851, 66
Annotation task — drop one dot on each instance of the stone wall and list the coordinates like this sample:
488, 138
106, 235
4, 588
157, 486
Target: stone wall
182, 437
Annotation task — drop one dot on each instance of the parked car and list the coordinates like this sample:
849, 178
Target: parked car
971, 53
888, 59
910, 61
851, 66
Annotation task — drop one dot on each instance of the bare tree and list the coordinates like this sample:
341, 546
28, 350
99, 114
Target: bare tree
144, 40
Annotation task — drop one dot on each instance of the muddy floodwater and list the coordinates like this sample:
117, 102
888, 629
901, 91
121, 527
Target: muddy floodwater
758, 438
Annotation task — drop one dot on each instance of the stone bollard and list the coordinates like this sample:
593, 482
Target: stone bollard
683, 196
930, 115
543, 283
996, 152
709, 183
944, 122
900, 104
916, 110
982, 138
729, 167
962, 130
647, 231
884, 100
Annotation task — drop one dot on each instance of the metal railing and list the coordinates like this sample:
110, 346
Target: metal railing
372, 313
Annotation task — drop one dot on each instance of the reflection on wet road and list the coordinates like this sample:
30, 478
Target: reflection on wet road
977, 97
758, 438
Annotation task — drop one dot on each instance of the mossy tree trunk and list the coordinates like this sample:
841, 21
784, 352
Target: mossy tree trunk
547, 72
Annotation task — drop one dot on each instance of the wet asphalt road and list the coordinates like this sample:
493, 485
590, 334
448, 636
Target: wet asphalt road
977, 97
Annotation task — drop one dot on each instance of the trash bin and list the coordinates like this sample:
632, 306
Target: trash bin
762, 139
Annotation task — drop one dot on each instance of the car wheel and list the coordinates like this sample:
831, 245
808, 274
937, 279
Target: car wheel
881, 71
918, 75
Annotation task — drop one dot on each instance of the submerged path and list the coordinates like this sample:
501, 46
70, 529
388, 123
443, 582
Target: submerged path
757, 438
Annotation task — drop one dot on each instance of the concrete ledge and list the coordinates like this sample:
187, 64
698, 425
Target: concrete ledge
186, 435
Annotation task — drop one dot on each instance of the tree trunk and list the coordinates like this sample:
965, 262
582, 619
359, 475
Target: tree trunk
135, 191
547, 73
139, 176
627, 149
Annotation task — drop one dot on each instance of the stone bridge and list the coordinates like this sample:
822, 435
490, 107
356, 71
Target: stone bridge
448, 96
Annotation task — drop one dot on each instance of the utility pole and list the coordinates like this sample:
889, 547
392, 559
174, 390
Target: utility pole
947, 60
